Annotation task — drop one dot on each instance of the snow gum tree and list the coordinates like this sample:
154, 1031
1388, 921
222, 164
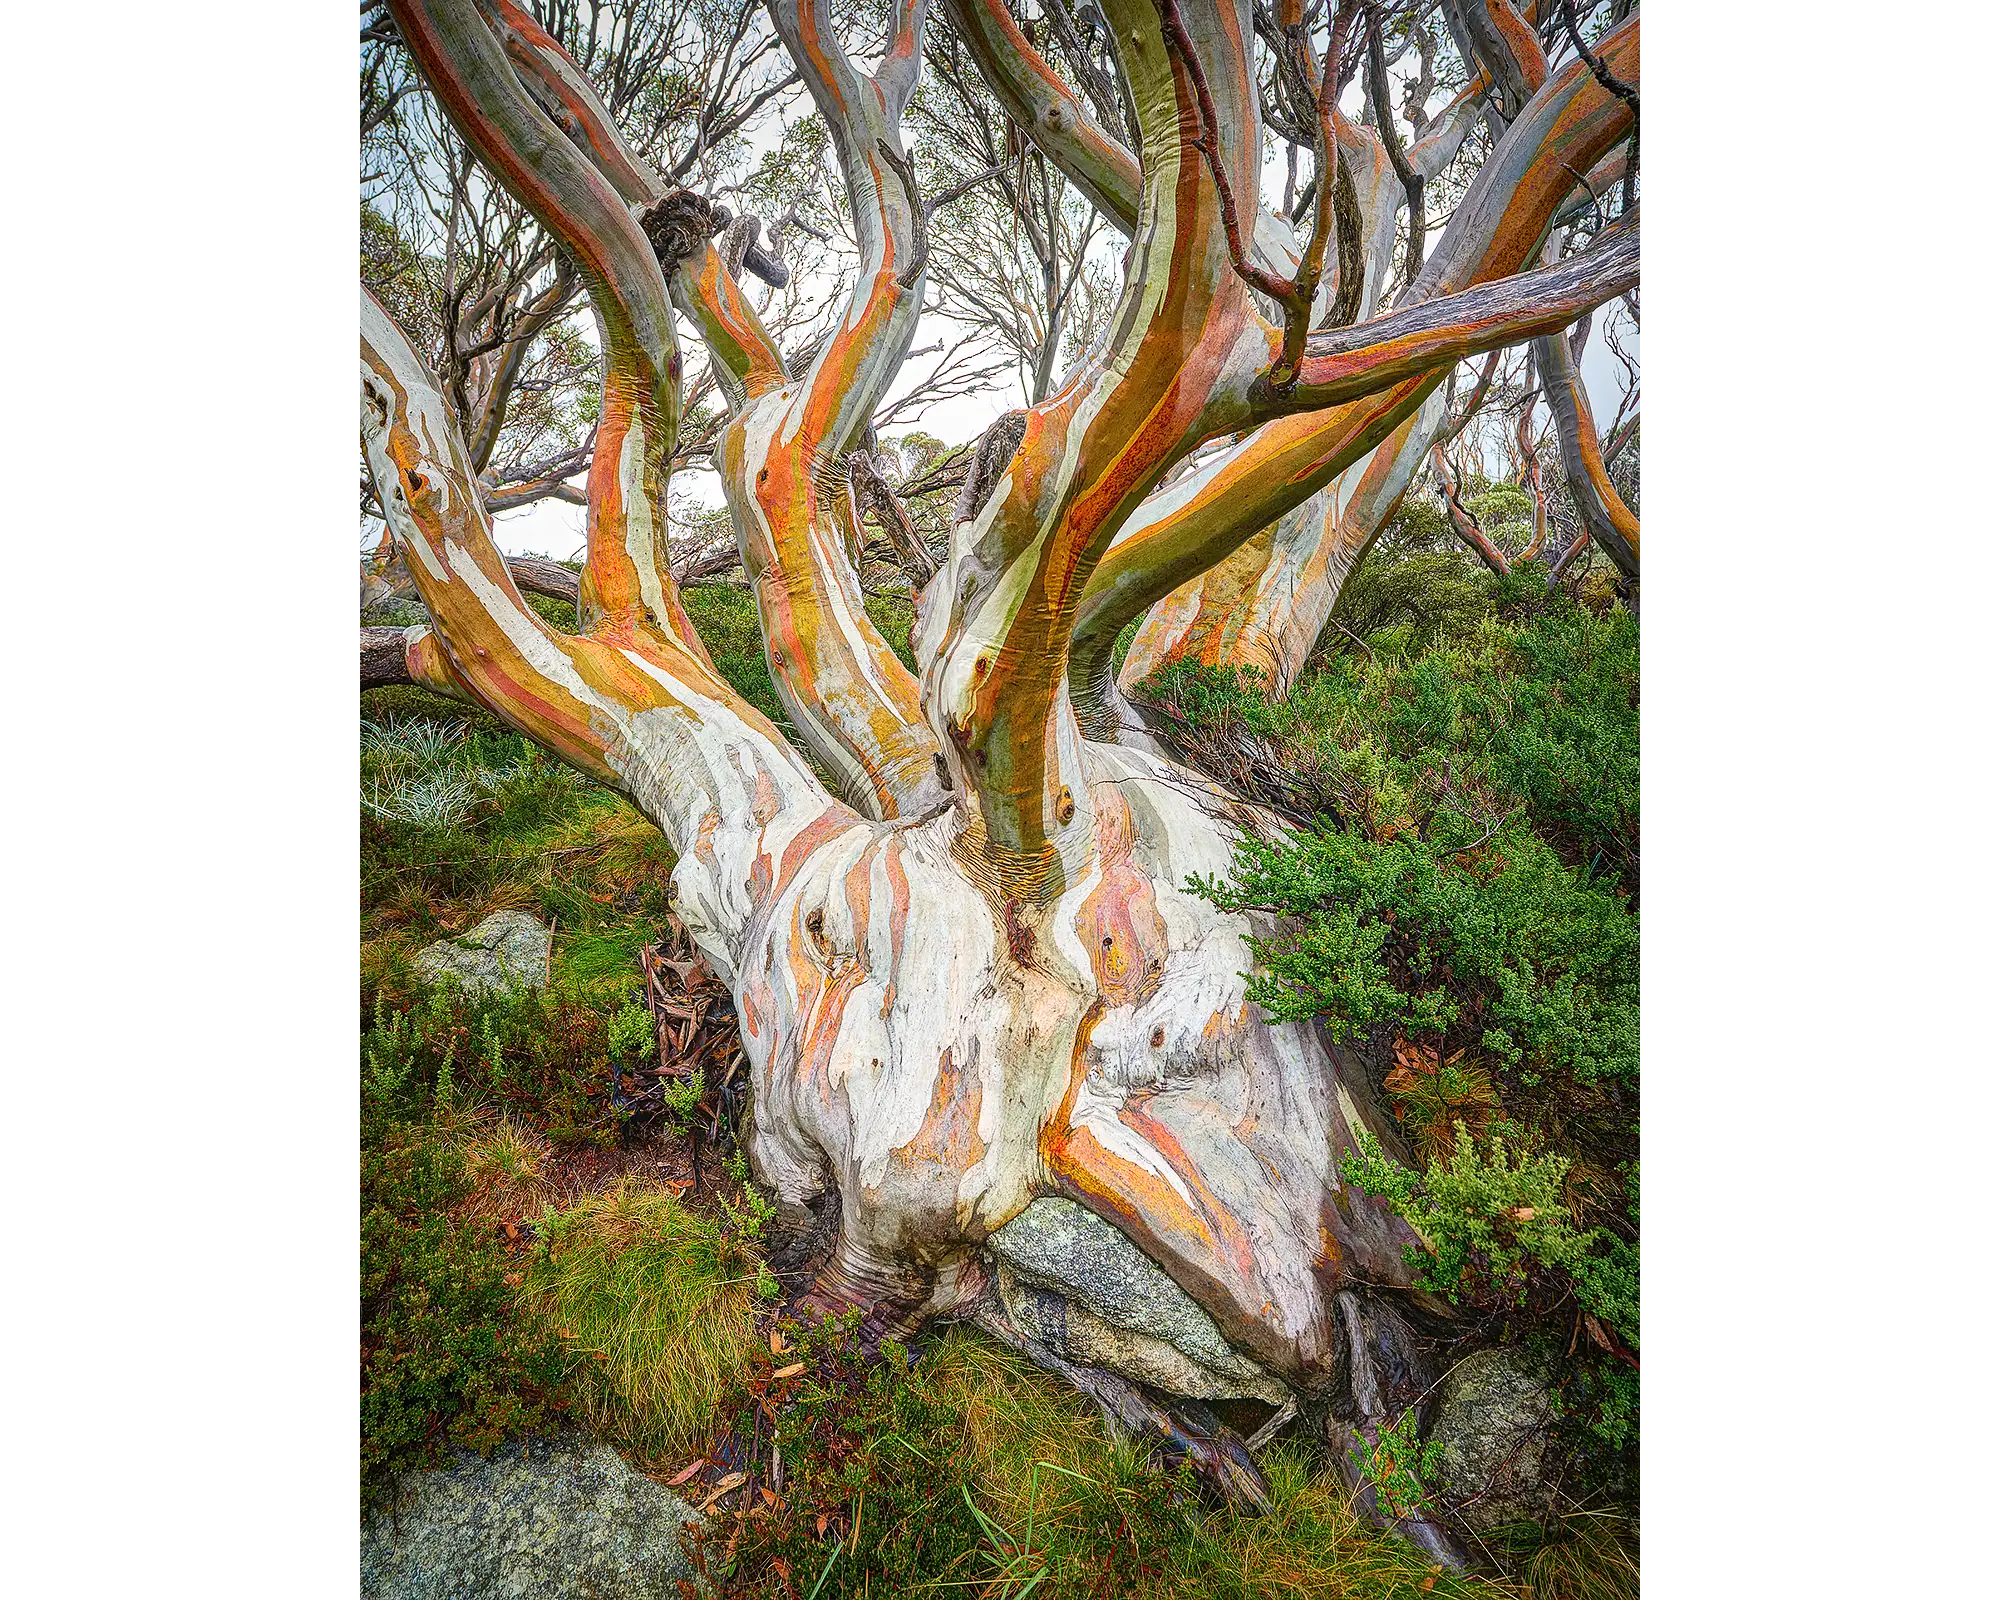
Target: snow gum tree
971, 974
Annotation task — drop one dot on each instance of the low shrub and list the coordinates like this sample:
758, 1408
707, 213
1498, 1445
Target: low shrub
1456, 876
445, 1358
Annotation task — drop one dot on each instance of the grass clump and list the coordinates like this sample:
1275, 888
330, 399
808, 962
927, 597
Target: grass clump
507, 1171
973, 1471
1585, 1555
652, 1305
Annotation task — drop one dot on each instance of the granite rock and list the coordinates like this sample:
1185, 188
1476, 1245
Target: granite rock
540, 1520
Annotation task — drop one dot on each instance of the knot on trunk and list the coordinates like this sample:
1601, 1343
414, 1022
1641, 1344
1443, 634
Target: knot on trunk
996, 448
678, 225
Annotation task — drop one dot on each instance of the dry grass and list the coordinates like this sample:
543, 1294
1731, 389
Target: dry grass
509, 1169
654, 1304
1585, 1556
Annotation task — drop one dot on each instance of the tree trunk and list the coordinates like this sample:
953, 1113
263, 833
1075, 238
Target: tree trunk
978, 977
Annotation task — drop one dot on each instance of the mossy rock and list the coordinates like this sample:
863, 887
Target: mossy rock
540, 1520
510, 949
1492, 1432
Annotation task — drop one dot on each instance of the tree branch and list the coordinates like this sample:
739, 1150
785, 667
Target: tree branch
1346, 363
627, 574
1187, 528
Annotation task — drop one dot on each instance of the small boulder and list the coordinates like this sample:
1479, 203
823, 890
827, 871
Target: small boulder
1117, 1308
510, 949
540, 1520
1492, 1430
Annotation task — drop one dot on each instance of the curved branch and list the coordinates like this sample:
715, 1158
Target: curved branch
1463, 522
1605, 516
1346, 363
1196, 523
1188, 528
1059, 124
1531, 480
995, 642
853, 701
1506, 49
1385, 124
1473, 401
626, 575
1268, 611
633, 708
746, 359
782, 456
568, 99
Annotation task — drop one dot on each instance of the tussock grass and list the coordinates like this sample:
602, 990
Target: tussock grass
1587, 1555
653, 1305
1059, 1495
507, 1167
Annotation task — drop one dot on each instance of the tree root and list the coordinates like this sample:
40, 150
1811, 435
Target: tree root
1387, 1377
1179, 1430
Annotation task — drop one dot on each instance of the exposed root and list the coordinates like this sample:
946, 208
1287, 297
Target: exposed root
1386, 1377
1179, 1430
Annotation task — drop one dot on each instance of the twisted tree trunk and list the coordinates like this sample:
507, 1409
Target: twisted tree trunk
977, 977
1265, 604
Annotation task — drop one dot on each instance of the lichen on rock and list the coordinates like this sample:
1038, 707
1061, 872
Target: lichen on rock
1082, 1288
541, 1520
510, 949
1492, 1430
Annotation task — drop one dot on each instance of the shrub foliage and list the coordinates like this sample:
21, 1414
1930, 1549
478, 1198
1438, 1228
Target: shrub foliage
1454, 860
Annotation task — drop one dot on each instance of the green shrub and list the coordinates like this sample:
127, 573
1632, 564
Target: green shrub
894, 616
1485, 1214
1457, 902
545, 1051
1463, 871
445, 1361
725, 615
631, 1032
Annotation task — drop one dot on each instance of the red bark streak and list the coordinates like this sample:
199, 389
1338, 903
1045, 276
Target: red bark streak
947, 1143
